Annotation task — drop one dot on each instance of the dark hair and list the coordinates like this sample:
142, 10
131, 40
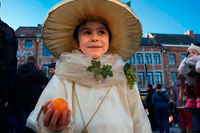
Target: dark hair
52, 65
31, 59
75, 34
150, 86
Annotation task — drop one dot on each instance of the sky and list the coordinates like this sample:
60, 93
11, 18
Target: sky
156, 16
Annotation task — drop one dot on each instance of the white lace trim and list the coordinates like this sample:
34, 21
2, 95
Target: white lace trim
73, 67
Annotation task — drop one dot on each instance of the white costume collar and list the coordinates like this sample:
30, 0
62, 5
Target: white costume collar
73, 67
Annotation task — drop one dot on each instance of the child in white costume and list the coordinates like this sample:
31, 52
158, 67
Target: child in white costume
192, 76
102, 30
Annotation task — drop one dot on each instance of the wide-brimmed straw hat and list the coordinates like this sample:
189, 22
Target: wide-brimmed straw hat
63, 18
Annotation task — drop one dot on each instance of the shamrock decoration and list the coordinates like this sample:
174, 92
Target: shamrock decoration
130, 74
98, 70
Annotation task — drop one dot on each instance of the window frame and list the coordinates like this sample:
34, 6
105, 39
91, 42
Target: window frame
141, 78
150, 78
172, 60
28, 43
45, 51
139, 59
173, 77
148, 58
156, 59
158, 77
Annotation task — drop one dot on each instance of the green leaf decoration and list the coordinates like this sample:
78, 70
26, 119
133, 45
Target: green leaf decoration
129, 3
97, 70
127, 66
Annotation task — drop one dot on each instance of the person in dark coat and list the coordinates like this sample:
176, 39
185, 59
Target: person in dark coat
160, 100
150, 106
8, 68
26, 91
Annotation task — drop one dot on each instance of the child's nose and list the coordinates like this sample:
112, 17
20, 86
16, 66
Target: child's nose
95, 38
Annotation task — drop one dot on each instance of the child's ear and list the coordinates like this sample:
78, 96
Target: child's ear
76, 44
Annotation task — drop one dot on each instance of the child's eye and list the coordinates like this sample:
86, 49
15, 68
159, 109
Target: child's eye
102, 32
86, 32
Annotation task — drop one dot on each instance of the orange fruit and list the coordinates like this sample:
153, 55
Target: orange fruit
170, 119
60, 105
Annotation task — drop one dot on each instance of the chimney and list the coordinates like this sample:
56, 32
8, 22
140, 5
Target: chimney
190, 33
39, 26
147, 35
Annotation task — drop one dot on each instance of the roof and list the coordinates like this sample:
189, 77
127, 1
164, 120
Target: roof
173, 39
197, 37
27, 31
146, 41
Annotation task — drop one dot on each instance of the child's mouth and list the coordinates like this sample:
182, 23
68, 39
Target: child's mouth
94, 47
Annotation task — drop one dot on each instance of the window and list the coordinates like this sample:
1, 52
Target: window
173, 77
133, 59
148, 58
28, 44
158, 77
129, 60
156, 58
171, 59
150, 78
183, 56
139, 58
141, 78
45, 51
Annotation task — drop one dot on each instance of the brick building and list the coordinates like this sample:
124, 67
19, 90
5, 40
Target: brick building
31, 43
156, 60
174, 50
148, 63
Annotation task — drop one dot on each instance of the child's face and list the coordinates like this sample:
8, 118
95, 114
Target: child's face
192, 52
93, 39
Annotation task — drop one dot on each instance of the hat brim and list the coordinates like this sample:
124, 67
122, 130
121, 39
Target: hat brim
63, 18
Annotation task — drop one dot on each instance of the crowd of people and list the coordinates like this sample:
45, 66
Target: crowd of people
20, 87
23, 94
185, 96
160, 105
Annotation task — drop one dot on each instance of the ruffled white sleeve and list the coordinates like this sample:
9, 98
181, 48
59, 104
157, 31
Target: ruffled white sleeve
141, 122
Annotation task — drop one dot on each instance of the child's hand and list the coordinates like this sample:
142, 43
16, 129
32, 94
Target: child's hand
51, 119
198, 70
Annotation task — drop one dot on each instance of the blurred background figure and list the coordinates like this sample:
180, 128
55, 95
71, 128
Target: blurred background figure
185, 116
52, 68
160, 100
150, 107
25, 92
190, 68
8, 68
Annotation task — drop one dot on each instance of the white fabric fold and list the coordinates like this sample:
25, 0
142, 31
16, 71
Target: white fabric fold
73, 67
